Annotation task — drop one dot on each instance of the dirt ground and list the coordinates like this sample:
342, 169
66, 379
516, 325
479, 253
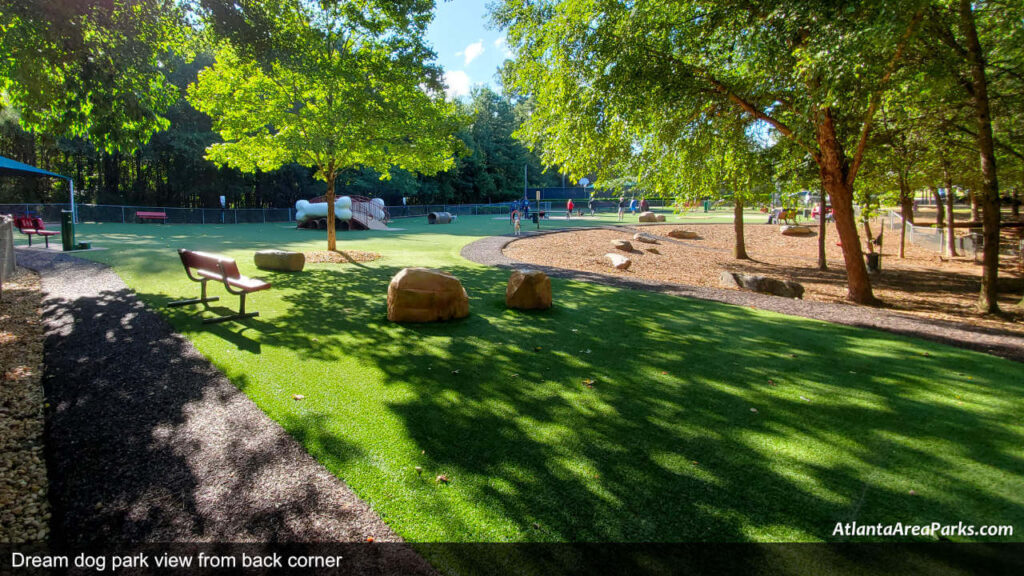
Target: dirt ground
921, 284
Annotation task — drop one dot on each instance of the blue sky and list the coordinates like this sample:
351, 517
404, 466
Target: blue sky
468, 50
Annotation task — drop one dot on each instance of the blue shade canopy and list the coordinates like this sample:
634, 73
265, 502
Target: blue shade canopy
10, 167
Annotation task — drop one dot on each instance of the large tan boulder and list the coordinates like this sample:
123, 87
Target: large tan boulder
426, 295
682, 234
528, 290
659, 217
280, 260
795, 231
618, 261
645, 238
623, 245
648, 217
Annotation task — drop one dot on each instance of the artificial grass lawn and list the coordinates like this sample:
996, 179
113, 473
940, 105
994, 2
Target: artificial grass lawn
663, 445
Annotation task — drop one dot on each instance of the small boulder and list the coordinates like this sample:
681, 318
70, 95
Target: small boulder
648, 217
645, 238
659, 217
280, 260
653, 251
682, 234
761, 284
528, 290
623, 245
795, 231
426, 295
618, 261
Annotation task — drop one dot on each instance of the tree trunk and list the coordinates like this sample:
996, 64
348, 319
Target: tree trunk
822, 227
988, 299
331, 232
906, 212
975, 206
951, 232
739, 251
834, 166
868, 235
940, 210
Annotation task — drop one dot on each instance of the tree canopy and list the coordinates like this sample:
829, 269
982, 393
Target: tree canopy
348, 91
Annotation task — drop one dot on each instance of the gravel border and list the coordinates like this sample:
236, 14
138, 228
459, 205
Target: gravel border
149, 442
489, 251
24, 509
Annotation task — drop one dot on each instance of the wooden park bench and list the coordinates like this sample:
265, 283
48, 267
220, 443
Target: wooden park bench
202, 267
152, 216
34, 227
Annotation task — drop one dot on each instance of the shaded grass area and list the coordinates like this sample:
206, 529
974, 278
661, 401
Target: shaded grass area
616, 416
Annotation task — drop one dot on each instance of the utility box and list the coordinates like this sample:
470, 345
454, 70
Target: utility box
67, 230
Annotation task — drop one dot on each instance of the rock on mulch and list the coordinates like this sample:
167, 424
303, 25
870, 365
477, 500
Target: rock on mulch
24, 509
492, 251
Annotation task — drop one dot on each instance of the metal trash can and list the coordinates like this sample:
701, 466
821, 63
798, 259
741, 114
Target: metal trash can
707, 205
67, 230
874, 261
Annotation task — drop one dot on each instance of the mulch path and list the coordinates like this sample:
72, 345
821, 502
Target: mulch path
922, 283
24, 510
148, 442
496, 251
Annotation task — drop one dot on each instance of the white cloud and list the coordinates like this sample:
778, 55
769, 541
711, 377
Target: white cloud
472, 51
502, 44
458, 83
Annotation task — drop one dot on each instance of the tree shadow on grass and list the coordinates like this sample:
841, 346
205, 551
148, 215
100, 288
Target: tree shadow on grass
620, 416
147, 442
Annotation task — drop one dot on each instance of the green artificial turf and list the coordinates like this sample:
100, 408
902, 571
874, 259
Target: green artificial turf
616, 416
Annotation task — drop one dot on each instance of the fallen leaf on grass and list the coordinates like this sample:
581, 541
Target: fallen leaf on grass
455, 371
753, 410
298, 397
805, 399
442, 479
588, 382
537, 348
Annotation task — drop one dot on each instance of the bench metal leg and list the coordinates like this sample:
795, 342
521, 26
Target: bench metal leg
201, 300
240, 316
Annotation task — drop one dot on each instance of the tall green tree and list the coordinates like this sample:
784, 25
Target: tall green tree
333, 86
94, 70
606, 75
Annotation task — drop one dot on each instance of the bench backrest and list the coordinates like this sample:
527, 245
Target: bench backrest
210, 262
28, 223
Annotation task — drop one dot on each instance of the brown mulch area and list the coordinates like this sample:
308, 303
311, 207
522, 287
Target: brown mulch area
922, 283
340, 256
24, 509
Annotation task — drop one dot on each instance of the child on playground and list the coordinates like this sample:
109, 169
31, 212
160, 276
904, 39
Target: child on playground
568, 209
622, 207
515, 222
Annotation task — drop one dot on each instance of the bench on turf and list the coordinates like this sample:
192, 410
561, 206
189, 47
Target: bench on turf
34, 227
202, 267
152, 216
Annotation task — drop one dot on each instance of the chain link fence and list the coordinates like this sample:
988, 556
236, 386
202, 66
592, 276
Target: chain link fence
933, 237
127, 214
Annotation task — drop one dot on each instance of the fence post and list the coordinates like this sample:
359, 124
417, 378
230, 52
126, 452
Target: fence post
202, 211
123, 220
236, 215
264, 214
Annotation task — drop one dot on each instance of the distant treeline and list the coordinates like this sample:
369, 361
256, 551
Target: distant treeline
170, 170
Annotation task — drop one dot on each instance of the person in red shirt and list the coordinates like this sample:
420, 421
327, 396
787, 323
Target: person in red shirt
568, 208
